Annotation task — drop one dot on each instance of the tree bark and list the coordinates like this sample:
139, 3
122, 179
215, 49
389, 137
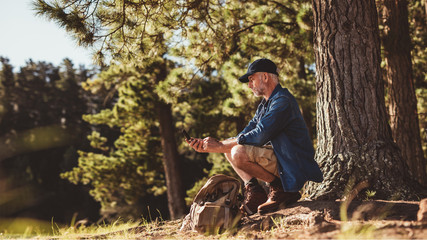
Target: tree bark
354, 143
402, 99
171, 161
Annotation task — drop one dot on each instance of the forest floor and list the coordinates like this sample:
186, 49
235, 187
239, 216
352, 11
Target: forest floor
373, 219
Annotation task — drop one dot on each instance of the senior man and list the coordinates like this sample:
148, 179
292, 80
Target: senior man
275, 146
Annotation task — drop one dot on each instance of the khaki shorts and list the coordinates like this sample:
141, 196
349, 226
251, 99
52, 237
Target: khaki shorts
263, 156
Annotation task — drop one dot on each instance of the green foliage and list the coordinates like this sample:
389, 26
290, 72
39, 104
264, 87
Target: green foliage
370, 194
122, 174
418, 33
421, 94
6, 80
40, 129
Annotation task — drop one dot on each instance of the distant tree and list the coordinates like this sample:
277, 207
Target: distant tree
354, 139
418, 32
39, 133
124, 174
402, 99
6, 103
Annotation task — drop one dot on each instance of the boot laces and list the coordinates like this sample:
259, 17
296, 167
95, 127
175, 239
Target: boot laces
273, 193
248, 193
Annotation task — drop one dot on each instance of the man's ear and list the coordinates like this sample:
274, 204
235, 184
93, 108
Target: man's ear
265, 77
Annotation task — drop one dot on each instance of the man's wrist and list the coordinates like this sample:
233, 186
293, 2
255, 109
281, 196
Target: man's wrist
241, 139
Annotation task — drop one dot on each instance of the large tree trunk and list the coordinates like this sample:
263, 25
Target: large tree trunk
354, 139
402, 99
171, 162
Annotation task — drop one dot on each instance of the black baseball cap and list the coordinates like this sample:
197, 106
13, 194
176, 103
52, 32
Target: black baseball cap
260, 65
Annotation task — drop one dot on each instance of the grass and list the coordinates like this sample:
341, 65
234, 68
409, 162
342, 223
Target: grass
117, 229
356, 230
34, 229
276, 227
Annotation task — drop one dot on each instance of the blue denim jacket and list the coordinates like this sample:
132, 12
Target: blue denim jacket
279, 121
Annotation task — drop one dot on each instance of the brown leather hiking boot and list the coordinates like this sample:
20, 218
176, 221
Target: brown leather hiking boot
278, 198
254, 196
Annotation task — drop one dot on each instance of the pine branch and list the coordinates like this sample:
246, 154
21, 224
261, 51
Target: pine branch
72, 22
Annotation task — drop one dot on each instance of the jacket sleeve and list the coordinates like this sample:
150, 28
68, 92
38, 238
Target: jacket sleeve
278, 117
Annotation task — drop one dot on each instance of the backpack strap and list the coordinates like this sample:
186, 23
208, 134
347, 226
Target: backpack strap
227, 217
247, 209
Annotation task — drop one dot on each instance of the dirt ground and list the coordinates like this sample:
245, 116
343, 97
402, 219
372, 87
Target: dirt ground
374, 219
322, 220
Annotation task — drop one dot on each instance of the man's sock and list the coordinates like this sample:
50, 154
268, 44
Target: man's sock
276, 182
252, 182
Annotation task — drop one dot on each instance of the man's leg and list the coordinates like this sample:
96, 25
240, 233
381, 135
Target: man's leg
254, 192
243, 175
249, 171
247, 168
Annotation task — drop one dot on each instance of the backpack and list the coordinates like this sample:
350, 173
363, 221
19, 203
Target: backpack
215, 207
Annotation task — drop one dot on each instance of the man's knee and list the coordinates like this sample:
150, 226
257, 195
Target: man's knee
239, 155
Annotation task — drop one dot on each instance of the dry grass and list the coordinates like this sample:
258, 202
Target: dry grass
304, 220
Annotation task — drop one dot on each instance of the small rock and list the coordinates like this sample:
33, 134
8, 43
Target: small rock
422, 213
323, 228
266, 224
316, 217
365, 212
406, 224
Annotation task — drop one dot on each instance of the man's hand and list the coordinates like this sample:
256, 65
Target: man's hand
196, 144
212, 144
205, 145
